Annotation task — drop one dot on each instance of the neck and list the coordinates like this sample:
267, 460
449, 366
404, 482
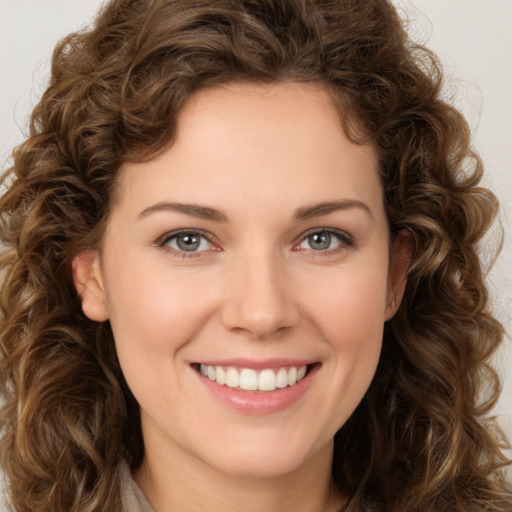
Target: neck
191, 485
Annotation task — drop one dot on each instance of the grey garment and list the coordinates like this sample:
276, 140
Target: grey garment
133, 499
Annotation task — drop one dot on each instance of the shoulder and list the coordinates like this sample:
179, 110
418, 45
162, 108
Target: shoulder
132, 497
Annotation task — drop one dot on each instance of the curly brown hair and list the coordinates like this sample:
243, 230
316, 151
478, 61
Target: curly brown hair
421, 439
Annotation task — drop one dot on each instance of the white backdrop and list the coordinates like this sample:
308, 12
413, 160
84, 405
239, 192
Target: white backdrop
472, 37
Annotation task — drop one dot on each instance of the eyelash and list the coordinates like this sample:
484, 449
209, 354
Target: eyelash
163, 242
345, 241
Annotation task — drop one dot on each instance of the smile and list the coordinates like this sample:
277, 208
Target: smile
248, 379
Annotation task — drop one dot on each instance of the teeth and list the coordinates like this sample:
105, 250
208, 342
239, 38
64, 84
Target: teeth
232, 378
248, 379
282, 378
267, 381
292, 376
220, 375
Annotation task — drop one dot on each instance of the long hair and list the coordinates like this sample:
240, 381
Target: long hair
421, 439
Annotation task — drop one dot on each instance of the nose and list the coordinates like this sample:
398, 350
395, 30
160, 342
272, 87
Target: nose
260, 301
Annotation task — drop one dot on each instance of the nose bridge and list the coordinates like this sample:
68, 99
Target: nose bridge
259, 300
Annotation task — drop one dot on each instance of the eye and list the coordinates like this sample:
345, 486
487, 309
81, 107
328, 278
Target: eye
186, 241
325, 240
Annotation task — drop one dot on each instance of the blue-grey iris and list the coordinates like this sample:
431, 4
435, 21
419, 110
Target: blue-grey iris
320, 241
188, 242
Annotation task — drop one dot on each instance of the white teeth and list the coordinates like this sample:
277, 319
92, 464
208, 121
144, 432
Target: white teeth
248, 379
232, 378
282, 378
267, 381
292, 376
220, 375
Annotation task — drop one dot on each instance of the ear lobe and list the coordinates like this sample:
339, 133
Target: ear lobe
401, 255
89, 285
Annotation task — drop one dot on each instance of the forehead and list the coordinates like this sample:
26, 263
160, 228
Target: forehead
257, 144
277, 114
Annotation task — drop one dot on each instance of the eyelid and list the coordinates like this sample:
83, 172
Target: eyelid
163, 240
346, 239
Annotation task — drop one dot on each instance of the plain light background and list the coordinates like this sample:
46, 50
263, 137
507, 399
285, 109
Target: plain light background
472, 38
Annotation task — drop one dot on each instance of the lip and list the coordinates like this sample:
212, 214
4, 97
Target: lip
257, 364
257, 402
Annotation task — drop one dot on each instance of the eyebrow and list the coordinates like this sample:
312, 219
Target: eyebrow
194, 210
207, 213
316, 210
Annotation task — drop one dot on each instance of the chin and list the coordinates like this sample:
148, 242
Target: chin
269, 467
260, 459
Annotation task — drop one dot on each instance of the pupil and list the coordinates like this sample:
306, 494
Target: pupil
188, 242
320, 241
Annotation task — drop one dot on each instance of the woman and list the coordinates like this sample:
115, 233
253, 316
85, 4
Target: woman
241, 270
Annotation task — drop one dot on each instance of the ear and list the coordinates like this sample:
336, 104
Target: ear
89, 285
400, 259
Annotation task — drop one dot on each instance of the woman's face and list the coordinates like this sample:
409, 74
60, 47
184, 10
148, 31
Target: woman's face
254, 249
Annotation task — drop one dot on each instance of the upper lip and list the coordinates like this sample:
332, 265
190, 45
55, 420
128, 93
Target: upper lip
256, 364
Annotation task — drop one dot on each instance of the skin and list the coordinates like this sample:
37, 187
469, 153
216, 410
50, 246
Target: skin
258, 290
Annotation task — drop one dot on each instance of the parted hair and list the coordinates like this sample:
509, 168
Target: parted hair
421, 439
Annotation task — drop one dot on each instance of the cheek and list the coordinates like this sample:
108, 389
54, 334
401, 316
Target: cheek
355, 336
153, 318
153, 313
349, 305
350, 314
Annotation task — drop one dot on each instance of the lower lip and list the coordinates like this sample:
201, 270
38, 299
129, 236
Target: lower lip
254, 402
